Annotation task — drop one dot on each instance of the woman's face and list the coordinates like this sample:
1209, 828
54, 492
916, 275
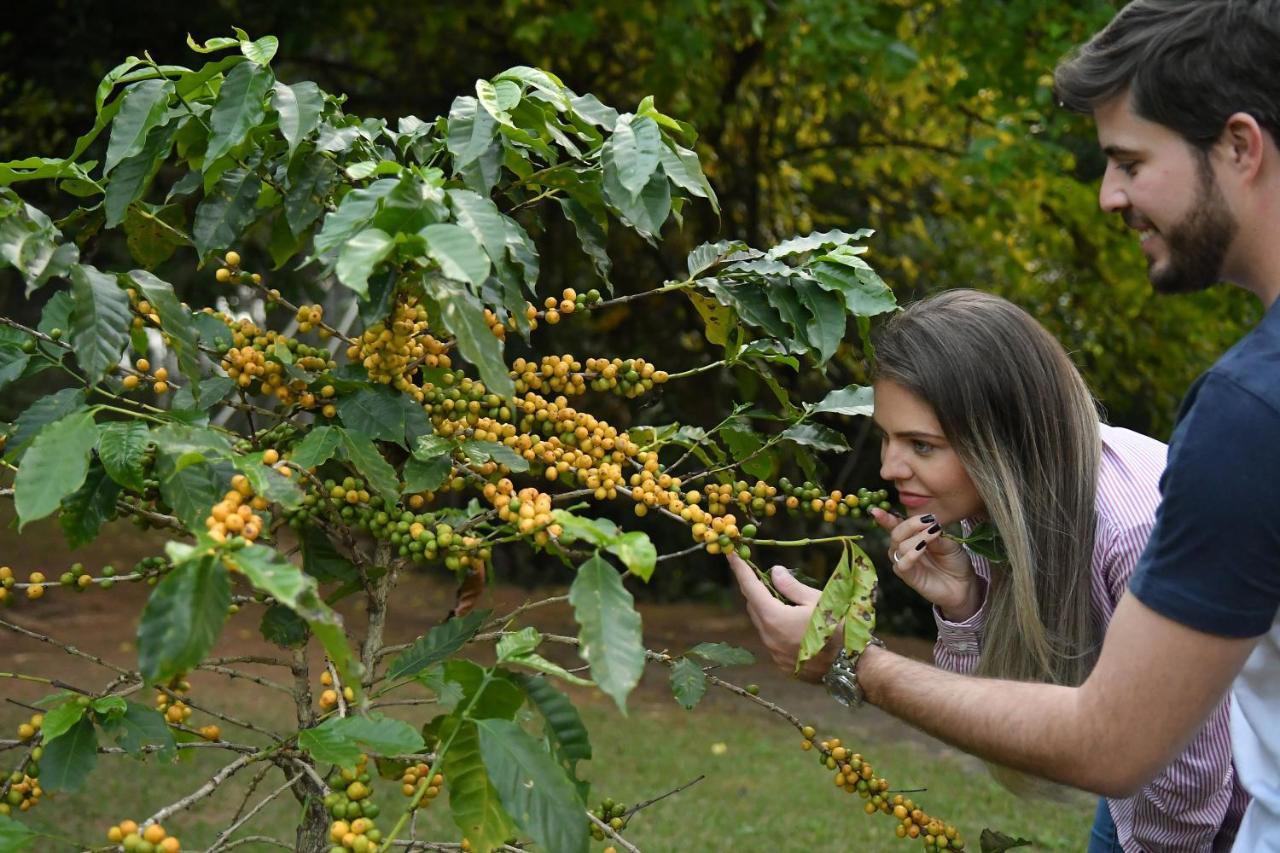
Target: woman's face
917, 458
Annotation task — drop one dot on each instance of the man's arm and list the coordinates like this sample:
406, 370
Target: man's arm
1154, 684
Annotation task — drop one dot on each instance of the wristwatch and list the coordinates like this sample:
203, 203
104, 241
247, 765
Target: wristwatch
841, 679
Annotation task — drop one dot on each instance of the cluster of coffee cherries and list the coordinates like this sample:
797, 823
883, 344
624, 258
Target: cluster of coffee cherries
23, 785
267, 362
232, 274
329, 696
855, 775
391, 349
529, 510
564, 374
352, 810
135, 839
235, 514
611, 813
812, 499
553, 310
416, 775
311, 317
7, 580
159, 379
176, 712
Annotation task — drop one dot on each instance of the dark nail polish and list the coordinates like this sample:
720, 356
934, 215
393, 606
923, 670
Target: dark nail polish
921, 546
927, 519
934, 529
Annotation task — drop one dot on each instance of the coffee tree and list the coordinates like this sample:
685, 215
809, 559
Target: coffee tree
300, 453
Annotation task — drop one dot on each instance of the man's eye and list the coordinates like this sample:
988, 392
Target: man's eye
1128, 168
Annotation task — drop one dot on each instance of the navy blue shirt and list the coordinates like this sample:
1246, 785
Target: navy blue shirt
1213, 560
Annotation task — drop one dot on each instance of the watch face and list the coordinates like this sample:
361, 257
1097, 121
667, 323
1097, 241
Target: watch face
841, 687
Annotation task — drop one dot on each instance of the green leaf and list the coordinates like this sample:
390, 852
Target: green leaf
15, 837
633, 152
637, 553
848, 598
276, 576
175, 320
518, 644
592, 235
149, 241
192, 492
751, 304
610, 629
226, 211
144, 106
826, 325
40, 414
864, 294
61, 719
485, 694
322, 561
646, 212
54, 467
183, 618
299, 107
745, 444
260, 51
13, 363
318, 447
212, 390
375, 412
341, 740
436, 645
534, 790
479, 452
108, 706
816, 436
997, 842
723, 654
214, 44
138, 727
817, 240
310, 180
68, 760
564, 722
463, 314
355, 212
852, 400
688, 683
240, 108
100, 324
86, 509
130, 180
363, 454
282, 626
539, 663
426, 476
497, 102
685, 171
470, 131
361, 255
473, 800
460, 257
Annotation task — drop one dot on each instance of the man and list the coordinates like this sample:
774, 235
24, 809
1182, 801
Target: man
1186, 98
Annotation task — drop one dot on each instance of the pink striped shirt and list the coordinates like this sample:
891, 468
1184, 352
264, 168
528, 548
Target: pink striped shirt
1196, 804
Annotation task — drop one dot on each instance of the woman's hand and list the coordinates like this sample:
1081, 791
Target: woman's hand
934, 566
782, 626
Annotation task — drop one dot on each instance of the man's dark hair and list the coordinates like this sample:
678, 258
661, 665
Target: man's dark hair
1188, 65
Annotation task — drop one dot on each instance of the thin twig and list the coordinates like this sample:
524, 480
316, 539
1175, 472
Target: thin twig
69, 649
613, 833
259, 807
203, 791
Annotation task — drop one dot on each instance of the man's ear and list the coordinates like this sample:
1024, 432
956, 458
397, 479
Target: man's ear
1244, 142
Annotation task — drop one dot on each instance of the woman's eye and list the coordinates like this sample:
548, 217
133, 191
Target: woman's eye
921, 447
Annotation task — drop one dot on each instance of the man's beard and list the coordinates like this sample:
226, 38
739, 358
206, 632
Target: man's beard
1198, 244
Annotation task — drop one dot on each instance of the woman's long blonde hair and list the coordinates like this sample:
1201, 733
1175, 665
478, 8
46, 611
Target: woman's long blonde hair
1025, 427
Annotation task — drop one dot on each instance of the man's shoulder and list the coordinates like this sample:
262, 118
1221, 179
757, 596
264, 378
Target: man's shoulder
1252, 366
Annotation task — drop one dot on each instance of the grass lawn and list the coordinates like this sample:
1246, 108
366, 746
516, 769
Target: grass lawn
761, 792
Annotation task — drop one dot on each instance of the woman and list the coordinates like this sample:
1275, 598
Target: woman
985, 419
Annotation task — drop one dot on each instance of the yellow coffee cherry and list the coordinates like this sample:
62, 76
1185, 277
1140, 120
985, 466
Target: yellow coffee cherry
232, 259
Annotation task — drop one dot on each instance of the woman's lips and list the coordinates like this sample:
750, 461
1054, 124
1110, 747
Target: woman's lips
911, 500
